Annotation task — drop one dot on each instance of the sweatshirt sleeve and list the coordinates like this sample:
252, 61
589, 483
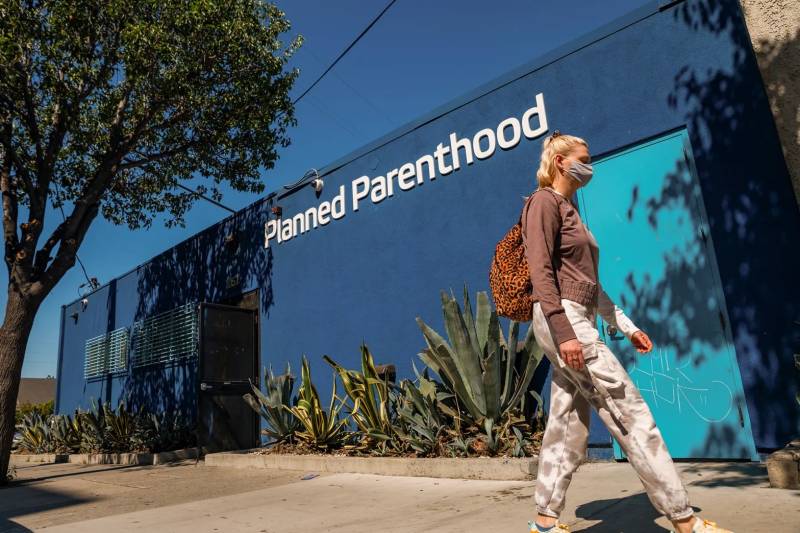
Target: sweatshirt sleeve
542, 225
614, 315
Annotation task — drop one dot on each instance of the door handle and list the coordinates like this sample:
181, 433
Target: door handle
612, 333
205, 386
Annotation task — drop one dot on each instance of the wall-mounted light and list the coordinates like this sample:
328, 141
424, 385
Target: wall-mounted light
318, 184
277, 211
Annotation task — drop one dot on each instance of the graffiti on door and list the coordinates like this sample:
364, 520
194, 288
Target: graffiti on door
668, 384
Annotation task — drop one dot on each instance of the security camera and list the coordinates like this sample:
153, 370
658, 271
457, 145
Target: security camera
318, 184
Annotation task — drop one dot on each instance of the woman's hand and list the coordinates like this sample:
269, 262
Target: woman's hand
641, 342
572, 353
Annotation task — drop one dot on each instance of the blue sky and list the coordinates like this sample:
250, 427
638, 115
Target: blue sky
419, 56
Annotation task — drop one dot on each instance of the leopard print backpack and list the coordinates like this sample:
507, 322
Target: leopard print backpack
509, 277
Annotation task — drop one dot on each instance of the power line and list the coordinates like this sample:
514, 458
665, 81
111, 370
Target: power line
64, 216
346, 50
355, 91
352, 44
206, 198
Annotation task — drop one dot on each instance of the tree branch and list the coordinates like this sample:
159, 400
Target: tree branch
67, 250
43, 255
30, 111
16, 162
9, 193
128, 164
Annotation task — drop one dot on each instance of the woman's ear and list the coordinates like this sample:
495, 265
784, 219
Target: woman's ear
558, 160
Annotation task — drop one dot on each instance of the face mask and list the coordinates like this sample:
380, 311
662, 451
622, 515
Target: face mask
580, 172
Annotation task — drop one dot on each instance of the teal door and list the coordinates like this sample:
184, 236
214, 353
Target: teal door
657, 262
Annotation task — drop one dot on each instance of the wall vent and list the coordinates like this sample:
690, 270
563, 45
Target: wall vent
166, 337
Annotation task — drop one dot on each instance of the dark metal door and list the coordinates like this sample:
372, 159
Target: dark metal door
228, 362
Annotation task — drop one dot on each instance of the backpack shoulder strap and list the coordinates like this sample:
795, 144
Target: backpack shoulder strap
527, 205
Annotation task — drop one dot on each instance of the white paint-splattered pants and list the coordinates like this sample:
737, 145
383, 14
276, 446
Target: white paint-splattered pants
603, 384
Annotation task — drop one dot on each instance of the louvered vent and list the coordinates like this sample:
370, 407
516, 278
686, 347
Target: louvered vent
106, 353
166, 337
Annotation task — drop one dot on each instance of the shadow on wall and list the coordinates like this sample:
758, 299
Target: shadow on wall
677, 305
753, 217
215, 265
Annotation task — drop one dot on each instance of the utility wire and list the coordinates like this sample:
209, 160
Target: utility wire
355, 91
206, 198
64, 216
335, 61
352, 44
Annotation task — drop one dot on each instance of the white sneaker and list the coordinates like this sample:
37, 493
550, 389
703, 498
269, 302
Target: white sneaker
558, 527
707, 526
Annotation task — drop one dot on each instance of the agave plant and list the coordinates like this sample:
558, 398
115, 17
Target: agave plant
477, 364
120, 427
33, 435
422, 415
65, 432
281, 423
168, 430
371, 400
322, 429
93, 429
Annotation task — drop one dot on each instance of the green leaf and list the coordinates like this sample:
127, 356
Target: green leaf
482, 320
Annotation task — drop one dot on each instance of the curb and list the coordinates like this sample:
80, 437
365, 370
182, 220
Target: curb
143, 459
175, 456
41, 458
111, 458
485, 468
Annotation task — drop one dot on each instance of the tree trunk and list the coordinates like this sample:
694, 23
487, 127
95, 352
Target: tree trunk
14, 333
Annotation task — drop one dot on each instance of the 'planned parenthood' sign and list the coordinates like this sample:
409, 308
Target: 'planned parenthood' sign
444, 160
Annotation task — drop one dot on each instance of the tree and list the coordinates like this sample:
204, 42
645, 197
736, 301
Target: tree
105, 107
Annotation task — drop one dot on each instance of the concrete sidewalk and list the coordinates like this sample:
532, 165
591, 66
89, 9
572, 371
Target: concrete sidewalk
604, 497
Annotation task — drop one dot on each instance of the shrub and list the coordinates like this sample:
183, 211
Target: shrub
281, 422
102, 429
322, 429
43, 409
488, 375
370, 397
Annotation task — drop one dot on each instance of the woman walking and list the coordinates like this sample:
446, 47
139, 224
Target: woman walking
563, 258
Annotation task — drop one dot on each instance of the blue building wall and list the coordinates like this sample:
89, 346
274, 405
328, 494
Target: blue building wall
368, 275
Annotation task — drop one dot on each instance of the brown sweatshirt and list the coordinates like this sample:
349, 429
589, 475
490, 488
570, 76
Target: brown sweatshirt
563, 259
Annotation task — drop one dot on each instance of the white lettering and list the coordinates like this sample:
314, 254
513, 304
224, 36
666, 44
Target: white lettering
502, 141
507, 134
407, 171
286, 230
480, 153
390, 181
359, 194
539, 111
378, 189
324, 212
455, 144
431, 171
270, 231
298, 224
337, 206
441, 151
311, 219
